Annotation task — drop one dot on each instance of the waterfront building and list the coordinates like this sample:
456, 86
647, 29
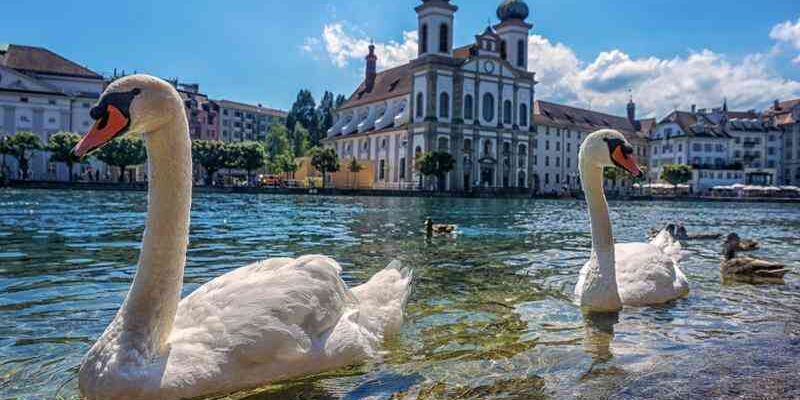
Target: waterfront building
785, 115
43, 92
202, 113
240, 122
560, 131
473, 102
723, 147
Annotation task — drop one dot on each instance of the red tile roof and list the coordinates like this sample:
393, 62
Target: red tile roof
43, 61
389, 83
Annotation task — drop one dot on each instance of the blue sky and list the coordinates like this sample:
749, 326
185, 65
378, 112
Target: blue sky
586, 53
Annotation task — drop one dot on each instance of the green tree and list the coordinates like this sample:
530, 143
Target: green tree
60, 147
324, 160
304, 112
20, 146
676, 174
212, 155
249, 156
436, 163
340, 99
354, 167
300, 140
5, 150
277, 142
123, 152
284, 164
325, 111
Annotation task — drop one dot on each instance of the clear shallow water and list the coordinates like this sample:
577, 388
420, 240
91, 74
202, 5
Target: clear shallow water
491, 315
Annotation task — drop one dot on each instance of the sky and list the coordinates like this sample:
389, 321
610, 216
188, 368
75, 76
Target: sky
594, 54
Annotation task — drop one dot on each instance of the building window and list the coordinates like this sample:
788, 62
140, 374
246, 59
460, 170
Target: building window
444, 105
468, 107
23, 99
504, 50
402, 168
424, 39
444, 38
443, 145
523, 115
382, 170
420, 105
546, 161
521, 53
507, 112
488, 107
487, 148
467, 145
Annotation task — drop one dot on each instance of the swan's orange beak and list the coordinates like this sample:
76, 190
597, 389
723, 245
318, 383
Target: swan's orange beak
626, 161
111, 124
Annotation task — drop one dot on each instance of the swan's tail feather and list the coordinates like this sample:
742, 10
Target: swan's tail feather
667, 243
383, 298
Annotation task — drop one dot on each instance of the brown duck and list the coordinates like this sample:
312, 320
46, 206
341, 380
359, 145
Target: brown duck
734, 266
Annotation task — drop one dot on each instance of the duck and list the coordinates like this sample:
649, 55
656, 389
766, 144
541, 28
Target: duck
623, 274
742, 244
733, 266
438, 229
681, 234
272, 320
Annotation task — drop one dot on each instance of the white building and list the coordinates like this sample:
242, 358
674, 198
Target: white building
723, 147
474, 102
785, 115
560, 130
45, 93
242, 122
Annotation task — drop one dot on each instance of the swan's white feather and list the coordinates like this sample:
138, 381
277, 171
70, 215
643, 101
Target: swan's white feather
272, 320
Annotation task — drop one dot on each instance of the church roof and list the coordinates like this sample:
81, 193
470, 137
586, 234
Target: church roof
389, 83
43, 61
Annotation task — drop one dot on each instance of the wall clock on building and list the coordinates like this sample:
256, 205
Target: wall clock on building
488, 67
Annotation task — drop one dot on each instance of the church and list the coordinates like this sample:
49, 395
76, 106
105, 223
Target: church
474, 102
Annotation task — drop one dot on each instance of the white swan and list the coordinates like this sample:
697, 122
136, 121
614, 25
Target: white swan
633, 274
276, 319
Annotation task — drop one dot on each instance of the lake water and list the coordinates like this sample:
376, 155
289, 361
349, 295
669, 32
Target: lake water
491, 315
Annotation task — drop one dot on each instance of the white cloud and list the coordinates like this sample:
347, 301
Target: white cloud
789, 33
342, 47
658, 85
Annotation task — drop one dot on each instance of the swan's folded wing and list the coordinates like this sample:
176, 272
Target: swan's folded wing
278, 309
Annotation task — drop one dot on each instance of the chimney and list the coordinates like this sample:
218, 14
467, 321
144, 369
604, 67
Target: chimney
776, 105
372, 64
694, 108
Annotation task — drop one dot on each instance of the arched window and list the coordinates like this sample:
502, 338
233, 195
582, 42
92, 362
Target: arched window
444, 38
487, 148
488, 107
468, 107
424, 40
444, 105
507, 112
523, 115
521, 179
467, 145
504, 50
521, 53
420, 106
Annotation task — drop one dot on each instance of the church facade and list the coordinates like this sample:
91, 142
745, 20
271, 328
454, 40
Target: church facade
474, 102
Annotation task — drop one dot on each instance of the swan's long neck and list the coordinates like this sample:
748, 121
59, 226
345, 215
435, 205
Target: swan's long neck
149, 310
600, 292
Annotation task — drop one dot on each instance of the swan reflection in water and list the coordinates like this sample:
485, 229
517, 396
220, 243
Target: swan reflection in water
598, 335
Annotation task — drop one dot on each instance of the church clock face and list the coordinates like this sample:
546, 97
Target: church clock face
488, 67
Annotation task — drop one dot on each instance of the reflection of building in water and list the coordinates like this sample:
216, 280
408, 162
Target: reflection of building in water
473, 102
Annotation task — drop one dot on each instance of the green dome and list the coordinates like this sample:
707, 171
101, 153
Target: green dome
512, 9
